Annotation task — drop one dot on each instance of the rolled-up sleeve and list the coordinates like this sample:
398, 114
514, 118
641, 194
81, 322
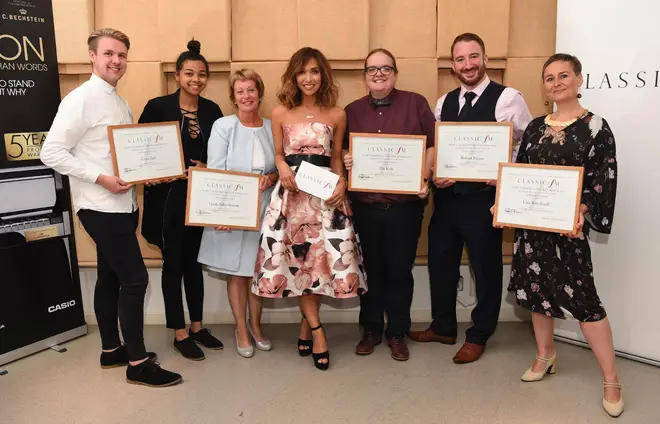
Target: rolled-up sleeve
68, 128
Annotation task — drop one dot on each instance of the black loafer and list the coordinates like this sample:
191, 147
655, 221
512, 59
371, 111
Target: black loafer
205, 338
119, 358
189, 349
149, 373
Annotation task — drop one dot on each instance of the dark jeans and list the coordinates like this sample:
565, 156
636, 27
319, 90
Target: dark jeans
389, 235
181, 247
122, 279
458, 220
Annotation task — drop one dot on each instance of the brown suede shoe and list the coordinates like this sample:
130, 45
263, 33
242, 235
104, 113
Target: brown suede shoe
399, 348
469, 352
368, 343
429, 335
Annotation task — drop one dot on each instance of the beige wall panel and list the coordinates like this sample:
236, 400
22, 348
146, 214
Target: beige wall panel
138, 19
487, 18
143, 81
209, 22
351, 86
69, 82
216, 90
420, 76
339, 28
409, 37
74, 21
525, 75
264, 29
271, 74
533, 27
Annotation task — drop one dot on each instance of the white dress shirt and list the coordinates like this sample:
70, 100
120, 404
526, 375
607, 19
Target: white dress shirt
510, 107
77, 145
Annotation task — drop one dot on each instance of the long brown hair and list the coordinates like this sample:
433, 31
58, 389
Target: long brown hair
290, 95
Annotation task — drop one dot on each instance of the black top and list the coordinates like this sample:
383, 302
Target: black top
165, 203
482, 111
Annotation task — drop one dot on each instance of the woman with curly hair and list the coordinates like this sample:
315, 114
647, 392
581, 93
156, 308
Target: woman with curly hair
308, 247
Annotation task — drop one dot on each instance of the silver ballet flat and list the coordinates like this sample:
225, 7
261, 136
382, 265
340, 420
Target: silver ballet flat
245, 352
265, 345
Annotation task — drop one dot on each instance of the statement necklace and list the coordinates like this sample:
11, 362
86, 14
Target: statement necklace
562, 124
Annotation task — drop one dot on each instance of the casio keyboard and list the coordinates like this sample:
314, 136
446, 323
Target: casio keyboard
40, 297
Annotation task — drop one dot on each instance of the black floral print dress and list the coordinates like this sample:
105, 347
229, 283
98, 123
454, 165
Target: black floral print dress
552, 274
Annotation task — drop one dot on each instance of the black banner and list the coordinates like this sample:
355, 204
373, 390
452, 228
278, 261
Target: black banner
29, 80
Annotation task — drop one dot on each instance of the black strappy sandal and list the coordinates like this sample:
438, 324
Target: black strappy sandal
319, 356
304, 346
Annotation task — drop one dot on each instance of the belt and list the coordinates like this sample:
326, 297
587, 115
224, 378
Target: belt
318, 160
379, 205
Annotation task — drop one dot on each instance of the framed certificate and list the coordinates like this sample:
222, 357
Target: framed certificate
223, 198
538, 197
387, 163
146, 152
471, 151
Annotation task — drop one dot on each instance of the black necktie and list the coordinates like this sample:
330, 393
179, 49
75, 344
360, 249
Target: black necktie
467, 107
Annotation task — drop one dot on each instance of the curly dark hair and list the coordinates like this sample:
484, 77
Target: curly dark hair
290, 95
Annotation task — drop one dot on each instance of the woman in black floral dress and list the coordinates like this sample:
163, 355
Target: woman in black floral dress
552, 274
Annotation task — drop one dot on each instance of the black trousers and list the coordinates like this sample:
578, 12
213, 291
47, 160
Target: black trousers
122, 279
458, 220
389, 236
181, 247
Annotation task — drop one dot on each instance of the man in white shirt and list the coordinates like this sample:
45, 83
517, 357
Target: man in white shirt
461, 213
77, 145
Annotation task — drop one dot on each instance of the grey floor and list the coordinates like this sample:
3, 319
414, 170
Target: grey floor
280, 387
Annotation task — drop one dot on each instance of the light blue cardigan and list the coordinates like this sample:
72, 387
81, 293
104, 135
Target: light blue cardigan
234, 252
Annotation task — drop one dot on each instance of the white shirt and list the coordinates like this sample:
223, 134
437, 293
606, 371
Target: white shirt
510, 107
77, 145
258, 159
251, 133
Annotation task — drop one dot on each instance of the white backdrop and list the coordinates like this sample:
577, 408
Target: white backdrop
618, 43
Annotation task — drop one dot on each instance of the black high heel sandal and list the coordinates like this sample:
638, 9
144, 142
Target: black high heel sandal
302, 344
319, 356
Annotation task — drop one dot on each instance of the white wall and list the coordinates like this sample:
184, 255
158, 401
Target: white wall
217, 310
621, 39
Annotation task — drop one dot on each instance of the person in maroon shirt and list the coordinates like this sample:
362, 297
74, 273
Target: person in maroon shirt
388, 225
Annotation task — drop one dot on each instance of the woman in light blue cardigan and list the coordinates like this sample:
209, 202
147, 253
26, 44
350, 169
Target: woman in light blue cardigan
242, 142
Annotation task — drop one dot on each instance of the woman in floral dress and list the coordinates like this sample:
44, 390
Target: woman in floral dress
552, 274
308, 246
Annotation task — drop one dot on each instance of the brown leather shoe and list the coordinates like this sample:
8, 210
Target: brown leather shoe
429, 335
368, 343
469, 352
399, 348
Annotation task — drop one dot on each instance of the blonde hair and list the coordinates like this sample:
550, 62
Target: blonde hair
95, 37
245, 75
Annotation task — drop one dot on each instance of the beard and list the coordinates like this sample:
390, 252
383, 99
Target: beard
474, 80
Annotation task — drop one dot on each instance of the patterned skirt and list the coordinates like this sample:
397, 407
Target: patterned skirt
307, 247
553, 276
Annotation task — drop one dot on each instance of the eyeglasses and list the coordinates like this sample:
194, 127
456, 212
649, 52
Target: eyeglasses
373, 70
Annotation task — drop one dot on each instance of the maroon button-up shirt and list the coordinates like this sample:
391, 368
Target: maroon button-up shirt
409, 113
